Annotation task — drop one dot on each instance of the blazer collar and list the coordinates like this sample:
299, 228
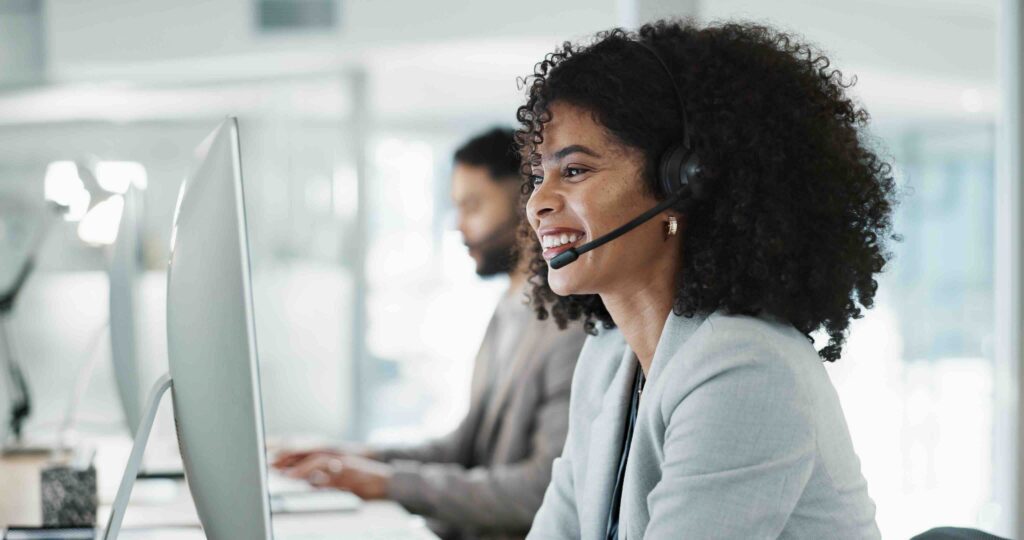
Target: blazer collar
674, 334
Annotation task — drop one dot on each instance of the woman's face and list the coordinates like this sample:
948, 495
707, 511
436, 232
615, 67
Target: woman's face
587, 184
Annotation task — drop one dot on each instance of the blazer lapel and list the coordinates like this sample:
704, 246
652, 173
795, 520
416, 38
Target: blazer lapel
483, 367
479, 391
524, 357
676, 332
605, 444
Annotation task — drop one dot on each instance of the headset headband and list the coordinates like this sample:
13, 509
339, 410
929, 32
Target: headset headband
675, 88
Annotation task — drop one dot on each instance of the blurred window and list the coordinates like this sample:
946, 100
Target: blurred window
916, 378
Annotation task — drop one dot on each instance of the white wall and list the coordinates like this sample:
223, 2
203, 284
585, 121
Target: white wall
103, 34
21, 42
453, 60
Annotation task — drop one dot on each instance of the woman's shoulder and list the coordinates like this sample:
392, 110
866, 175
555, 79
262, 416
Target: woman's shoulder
755, 327
736, 348
747, 338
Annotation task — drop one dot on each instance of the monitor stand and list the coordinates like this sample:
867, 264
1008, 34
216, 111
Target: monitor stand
131, 470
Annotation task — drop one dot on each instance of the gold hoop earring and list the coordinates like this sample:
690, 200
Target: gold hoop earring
671, 227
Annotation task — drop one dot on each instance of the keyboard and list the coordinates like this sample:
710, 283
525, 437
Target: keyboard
279, 484
323, 500
293, 496
382, 534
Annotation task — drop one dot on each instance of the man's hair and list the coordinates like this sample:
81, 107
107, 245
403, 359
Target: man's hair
495, 150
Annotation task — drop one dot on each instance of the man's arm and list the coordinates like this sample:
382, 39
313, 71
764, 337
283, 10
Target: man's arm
453, 448
505, 496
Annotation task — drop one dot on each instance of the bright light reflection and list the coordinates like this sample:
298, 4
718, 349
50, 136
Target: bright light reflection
118, 176
99, 227
64, 187
78, 205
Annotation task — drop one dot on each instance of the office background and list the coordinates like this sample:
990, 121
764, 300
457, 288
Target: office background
368, 311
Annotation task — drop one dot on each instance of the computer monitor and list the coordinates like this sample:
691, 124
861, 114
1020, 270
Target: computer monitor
211, 345
124, 275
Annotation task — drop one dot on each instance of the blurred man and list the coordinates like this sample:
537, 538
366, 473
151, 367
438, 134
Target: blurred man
486, 478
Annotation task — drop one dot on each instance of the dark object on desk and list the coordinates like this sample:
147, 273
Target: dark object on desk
69, 496
21, 402
160, 475
50, 533
955, 533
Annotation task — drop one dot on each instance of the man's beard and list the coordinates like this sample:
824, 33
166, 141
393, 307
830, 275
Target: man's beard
498, 253
497, 260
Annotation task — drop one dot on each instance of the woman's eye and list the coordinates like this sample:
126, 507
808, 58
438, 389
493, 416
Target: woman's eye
536, 179
570, 172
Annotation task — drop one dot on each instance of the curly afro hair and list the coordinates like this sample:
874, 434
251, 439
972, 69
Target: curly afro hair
800, 205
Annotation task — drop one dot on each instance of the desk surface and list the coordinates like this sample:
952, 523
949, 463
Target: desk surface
163, 509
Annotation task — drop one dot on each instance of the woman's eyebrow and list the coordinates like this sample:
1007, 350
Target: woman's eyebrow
571, 149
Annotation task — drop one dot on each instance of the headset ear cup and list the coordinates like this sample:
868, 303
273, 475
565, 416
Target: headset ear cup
690, 176
677, 166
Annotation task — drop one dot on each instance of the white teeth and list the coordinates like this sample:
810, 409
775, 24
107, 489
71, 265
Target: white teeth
555, 240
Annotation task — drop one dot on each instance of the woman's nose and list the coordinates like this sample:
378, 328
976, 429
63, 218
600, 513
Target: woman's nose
543, 201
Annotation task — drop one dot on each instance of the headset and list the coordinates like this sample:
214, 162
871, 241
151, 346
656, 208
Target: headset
678, 169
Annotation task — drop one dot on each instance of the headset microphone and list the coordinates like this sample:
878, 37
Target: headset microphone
677, 170
572, 254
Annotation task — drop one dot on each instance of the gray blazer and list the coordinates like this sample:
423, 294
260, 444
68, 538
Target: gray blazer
486, 479
739, 435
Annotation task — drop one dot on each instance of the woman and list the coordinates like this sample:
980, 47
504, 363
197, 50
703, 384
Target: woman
700, 407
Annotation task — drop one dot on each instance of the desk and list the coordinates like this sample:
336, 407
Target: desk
163, 509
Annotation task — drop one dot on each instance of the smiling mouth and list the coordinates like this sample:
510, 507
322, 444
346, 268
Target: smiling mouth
554, 244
